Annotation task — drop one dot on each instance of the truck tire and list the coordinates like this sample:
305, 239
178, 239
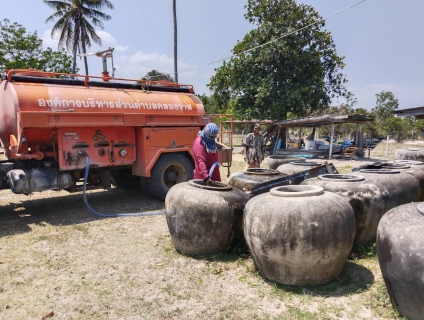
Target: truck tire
170, 169
145, 185
124, 179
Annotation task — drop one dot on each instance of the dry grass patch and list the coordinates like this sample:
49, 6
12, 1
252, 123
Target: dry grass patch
59, 261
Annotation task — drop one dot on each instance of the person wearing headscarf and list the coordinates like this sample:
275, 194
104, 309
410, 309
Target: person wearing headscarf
206, 154
254, 146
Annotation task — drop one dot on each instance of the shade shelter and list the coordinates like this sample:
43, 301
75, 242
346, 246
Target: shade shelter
279, 130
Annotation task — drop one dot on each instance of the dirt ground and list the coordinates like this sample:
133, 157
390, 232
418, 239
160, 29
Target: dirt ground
59, 261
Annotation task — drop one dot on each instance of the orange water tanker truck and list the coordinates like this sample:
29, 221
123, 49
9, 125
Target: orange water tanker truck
135, 132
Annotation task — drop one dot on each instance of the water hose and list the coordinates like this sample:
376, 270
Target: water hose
112, 215
213, 167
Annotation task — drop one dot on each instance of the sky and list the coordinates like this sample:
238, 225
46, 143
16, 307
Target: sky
382, 40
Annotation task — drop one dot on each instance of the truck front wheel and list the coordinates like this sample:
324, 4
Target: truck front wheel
123, 178
170, 169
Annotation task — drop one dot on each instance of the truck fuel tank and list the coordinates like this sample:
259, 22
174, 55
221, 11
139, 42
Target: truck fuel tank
39, 179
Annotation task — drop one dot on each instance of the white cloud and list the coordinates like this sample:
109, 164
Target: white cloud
139, 63
119, 48
48, 41
106, 37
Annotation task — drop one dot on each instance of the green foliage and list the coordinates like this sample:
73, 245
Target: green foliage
386, 103
386, 123
365, 250
56, 61
211, 106
20, 49
208, 103
155, 75
296, 74
348, 108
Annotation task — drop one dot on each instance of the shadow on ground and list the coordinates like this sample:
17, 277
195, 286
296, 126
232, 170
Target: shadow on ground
355, 278
61, 208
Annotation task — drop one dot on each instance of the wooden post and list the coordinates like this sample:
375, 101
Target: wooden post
287, 137
387, 147
331, 141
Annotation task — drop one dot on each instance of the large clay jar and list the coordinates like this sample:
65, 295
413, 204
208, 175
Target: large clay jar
400, 251
402, 187
204, 219
297, 166
299, 234
409, 162
252, 177
409, 154
414, 168
368, 200
275, 161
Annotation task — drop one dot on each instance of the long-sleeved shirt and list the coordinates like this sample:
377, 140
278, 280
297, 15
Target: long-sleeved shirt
203, 162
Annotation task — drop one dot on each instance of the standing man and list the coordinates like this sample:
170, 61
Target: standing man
205, 154
254, 146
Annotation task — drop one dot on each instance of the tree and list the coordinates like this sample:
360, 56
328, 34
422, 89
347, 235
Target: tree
272, 74
347, 108
385, 105
74, 22
20, 49
208, 103
155, 75
386, 123
174, 11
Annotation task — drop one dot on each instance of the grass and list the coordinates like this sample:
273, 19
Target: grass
59, 261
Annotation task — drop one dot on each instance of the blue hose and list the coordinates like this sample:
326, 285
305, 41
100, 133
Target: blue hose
213, 167
112, 215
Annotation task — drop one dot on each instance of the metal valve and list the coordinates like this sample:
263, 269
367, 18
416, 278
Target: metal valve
122, 152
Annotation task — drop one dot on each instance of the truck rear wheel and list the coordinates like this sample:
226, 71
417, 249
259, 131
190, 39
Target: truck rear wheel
124, 179
145, 185
170, 169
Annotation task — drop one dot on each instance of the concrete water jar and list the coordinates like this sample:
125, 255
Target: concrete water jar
275, 161
299, 234
401, 187
409, 154
253, 177
297, 166
400, 251
368, 200
414, 168
204, 219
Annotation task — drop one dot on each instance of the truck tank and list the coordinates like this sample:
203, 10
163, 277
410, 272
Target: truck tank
50, 122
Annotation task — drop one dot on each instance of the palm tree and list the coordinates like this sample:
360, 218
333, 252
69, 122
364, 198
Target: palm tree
75, 20
174, 7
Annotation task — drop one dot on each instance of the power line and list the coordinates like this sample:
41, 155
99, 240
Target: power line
283, 36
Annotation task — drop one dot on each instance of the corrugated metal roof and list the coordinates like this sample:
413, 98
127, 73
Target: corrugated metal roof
317, 121
250, 121
414, 112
